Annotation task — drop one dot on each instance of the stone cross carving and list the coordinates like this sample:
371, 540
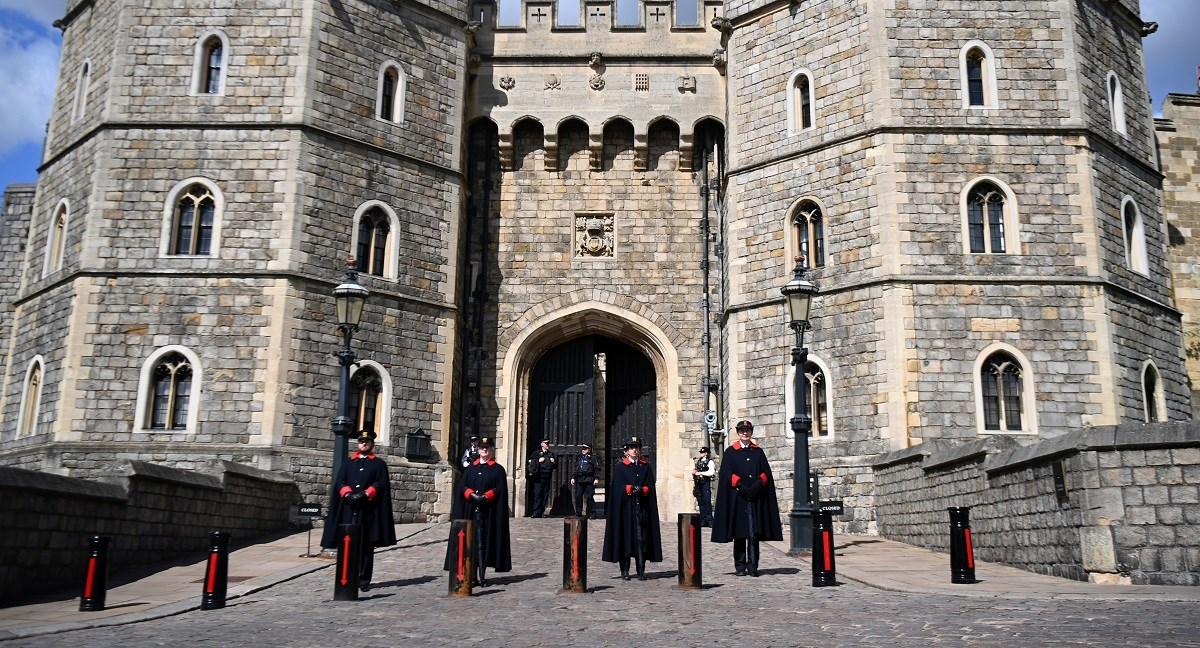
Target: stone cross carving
597, 13
539, 14
658, 14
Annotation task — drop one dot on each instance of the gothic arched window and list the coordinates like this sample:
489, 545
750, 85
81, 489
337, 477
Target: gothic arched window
802, 112
389, 98
366, 401
214, 54
1134, 230
985, 219
1000, 381
171, 384
1116, 103
808, 227
31, 398
195, 213
373, 238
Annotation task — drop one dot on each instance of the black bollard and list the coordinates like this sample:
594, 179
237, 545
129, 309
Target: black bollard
349, 562
462, 557
962, 554
824, 571
691, 560
216, 573
575, 555
95, 575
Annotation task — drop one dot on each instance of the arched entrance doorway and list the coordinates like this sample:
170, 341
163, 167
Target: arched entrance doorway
593, 390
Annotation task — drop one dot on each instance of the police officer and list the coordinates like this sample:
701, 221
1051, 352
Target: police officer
362, 493
541, 468
702, 475
585, 481
470, 454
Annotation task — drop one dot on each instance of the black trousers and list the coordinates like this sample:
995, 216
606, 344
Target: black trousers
366, 564
745, 555
541, 495
585, 491
704, 497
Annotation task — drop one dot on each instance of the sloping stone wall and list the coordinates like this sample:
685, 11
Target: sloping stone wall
151, 512
1129, 512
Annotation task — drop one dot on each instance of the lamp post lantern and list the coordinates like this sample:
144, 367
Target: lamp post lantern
798, 294
350, 298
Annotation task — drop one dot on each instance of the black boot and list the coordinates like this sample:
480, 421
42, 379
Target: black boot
624, 569
641, 570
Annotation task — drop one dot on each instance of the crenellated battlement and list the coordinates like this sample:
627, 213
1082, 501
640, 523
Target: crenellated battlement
542, 31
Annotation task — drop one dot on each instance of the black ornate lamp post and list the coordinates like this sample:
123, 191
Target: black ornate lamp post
350, 298
799, 293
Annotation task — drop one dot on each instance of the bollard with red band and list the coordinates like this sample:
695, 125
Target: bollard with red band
216, 571
962, 553
691, 560
95, 575
462, 557
824, 571
349, 566
575, 555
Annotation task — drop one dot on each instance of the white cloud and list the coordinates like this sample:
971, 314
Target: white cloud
27, 81
44, 12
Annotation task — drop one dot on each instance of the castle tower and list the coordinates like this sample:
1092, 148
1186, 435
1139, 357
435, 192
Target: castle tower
976, 194
209, 167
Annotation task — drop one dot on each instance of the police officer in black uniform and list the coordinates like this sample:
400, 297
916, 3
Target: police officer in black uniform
541, 469
587, 477
702, 476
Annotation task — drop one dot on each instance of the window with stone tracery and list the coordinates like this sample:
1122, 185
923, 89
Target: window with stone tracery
374, 237
808, 234
172, 392
195, 216
1000, 380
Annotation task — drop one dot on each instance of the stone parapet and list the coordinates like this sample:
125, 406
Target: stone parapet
151, 512
1114, 504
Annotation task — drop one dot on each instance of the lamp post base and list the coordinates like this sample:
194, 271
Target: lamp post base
802, 531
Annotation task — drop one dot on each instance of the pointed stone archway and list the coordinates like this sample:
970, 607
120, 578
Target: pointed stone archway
630, 329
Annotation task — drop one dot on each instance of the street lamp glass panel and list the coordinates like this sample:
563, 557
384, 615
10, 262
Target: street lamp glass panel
799, 293
350, 300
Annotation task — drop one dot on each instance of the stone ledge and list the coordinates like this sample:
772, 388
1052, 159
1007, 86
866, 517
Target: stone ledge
19, 478
146, 470
1130, 436
918, 452
946, 457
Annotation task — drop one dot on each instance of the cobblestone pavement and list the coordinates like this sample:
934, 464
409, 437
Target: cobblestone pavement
409, 607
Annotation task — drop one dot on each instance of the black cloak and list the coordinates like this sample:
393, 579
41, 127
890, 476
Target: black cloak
734, 512
625, 508
366, 474
490, 479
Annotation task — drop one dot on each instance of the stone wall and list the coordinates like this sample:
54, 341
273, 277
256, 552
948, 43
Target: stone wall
1129, 512
151, 512
1178, 141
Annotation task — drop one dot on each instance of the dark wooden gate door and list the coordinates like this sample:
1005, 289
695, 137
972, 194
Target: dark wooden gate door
631, 400
562, 408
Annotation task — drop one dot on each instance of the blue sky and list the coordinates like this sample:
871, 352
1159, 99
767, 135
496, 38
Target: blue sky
28, 72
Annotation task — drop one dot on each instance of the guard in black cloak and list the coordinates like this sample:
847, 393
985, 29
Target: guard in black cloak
482, 496
747, 511
632, 530
362, 492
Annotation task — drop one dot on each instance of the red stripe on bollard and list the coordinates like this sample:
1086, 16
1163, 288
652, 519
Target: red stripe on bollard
210, 583
345, 578
90, 581
828, 535
970, 549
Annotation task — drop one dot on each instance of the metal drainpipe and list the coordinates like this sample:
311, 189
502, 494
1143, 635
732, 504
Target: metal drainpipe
481, 285
705, 338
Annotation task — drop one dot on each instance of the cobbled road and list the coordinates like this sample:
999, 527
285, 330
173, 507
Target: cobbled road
409, 606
